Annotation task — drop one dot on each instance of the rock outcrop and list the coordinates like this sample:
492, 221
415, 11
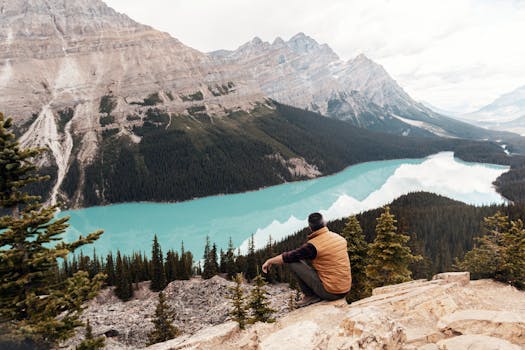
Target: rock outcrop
197, 304
447, 313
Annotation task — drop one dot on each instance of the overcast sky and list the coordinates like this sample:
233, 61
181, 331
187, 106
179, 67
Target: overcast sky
457, 55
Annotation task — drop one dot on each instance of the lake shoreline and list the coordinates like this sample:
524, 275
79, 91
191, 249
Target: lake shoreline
282, 209
283, 183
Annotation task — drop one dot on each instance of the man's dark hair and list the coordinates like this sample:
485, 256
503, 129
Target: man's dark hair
316, 221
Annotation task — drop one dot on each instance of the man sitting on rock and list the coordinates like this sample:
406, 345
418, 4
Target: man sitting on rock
330, 279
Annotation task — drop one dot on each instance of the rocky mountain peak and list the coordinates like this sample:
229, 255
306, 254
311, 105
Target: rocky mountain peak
278, 42
67, 18
303, 44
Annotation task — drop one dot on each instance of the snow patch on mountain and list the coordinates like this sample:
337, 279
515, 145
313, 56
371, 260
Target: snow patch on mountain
426, 126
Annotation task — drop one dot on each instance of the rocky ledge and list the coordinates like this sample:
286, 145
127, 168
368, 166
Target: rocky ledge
197, 304
448, 313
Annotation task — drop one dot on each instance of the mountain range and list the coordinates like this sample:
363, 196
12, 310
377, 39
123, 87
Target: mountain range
507, 112
506, 108
131, 113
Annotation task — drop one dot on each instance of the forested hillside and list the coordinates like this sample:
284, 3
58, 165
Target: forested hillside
182, 157
440, 228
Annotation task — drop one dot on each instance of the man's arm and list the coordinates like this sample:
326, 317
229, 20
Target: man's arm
276, 260
306, 252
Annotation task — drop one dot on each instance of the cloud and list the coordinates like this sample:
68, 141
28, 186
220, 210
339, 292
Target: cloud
455, 54
440, 173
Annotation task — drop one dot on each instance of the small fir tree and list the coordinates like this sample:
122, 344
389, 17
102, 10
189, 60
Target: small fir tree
31, 295
123, 283
358, 254
238, 309
229, 260
90, 342
292, 301
259, 304
389, 254
211, 266
163, 329
251, 260
158, 274
272, 275
185, 264
499, 253
109, 270
172, 262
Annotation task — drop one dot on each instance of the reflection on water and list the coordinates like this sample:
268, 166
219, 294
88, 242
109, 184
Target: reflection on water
281, 210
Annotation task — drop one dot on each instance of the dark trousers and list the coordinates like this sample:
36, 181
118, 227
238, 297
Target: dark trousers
310, 283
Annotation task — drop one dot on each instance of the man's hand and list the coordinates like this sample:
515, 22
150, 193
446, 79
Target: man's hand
272, 261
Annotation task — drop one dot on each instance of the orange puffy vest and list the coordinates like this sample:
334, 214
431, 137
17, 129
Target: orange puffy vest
331, 263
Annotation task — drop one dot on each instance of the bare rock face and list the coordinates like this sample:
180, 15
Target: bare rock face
66, 65
477, 342
197, 304
303, 73
463, 278
442, 314
507, 325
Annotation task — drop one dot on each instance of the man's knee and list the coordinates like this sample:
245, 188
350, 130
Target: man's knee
300, 265
295, 266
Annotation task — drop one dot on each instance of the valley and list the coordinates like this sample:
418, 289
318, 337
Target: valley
280, 210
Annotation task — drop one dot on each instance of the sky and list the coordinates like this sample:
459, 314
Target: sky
457, 55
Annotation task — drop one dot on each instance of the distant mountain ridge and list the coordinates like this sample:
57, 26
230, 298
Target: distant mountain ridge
99, 89
506, 108
305, 74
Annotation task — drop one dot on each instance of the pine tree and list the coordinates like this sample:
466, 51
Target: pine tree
109, 269
172, 262
90, 342
358, 254
389, 254
31, 297
222, 257
229, 260
211, 266
499, 253
259, 304
214, 260
272, 274
123, 285
238, 311
158, 274
185, 264
16, 170
251, 260
163, 329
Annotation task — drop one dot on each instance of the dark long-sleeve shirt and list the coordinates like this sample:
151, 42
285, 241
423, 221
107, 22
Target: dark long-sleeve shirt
305, 252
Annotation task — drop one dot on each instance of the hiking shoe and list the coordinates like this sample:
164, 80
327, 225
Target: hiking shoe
308, 300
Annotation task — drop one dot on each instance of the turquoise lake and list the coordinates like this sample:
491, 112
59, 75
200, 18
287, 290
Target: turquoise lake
280, 210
